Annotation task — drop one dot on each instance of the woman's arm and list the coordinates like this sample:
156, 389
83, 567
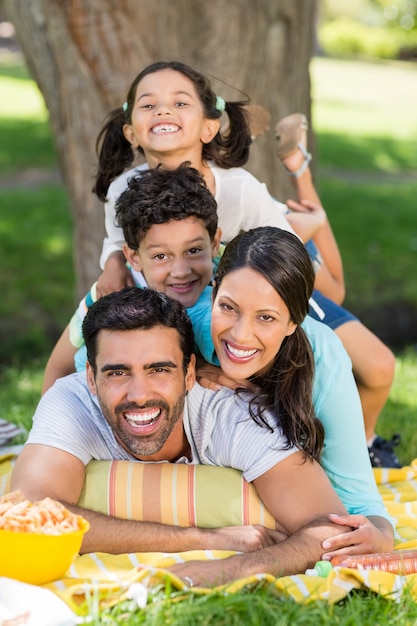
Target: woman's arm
345, 457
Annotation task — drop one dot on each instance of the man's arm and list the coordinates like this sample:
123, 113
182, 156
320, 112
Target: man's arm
42, 471
300, 497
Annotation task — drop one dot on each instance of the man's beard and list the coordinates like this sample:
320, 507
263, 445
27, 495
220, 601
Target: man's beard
142, 447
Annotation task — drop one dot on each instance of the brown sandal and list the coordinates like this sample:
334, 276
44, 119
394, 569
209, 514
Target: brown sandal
259, 120
288, 133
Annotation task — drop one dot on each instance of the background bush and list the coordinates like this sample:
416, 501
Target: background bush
369, 29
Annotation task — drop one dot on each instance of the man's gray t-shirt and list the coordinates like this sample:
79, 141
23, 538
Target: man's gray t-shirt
217, 425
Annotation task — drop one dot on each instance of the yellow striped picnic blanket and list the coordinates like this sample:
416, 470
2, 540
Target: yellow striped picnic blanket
109, 577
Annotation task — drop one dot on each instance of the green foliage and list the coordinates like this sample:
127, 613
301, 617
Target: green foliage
346, 38
368, 184
25, 141
372, 29
374, 282
399, 13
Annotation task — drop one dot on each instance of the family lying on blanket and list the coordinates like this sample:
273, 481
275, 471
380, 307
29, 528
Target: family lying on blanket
131, 405
290, 378
172, 115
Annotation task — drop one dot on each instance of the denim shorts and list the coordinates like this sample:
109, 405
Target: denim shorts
325, 310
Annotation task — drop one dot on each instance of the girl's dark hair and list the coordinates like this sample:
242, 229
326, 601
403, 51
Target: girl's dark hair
115, 153
286, 389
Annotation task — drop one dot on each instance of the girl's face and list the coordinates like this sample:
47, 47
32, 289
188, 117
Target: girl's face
168, 117
249, 323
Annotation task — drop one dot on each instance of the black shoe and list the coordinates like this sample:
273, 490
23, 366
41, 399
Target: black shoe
381, 452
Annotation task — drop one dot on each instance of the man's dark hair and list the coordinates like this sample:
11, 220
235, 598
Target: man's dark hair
133, 308
157, 196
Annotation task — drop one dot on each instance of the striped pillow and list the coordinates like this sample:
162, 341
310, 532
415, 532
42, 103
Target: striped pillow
178, 494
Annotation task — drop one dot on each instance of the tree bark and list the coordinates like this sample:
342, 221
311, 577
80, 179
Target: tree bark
84, 54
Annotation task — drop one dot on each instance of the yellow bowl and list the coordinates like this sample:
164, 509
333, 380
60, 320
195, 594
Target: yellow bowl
37, 558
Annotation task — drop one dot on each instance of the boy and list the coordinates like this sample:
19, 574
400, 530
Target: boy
169, 221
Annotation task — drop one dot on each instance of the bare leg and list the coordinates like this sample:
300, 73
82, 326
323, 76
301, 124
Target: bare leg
330, 278
373, 366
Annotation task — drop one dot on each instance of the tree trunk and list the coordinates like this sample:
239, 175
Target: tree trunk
84, 54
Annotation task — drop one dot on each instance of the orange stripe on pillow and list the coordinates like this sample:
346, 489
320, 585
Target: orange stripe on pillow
151, 498
111, 504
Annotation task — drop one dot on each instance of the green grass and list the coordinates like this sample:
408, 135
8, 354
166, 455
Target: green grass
376, 230
38, 276
261, 608
364, 116
19, 393
365, 100
400, 412
26, 137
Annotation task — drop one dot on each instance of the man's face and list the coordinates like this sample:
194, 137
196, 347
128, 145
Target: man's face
176, 258
140, 385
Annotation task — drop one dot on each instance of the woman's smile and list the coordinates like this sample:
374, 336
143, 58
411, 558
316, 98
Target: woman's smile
239, 353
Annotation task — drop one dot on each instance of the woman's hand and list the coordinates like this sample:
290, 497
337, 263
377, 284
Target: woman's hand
368, 535
115, 275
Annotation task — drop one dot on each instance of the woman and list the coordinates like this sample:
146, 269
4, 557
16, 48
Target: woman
262, 336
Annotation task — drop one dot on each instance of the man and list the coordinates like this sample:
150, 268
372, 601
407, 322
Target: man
138, 400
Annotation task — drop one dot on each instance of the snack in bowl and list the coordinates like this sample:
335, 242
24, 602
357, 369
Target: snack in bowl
38, 540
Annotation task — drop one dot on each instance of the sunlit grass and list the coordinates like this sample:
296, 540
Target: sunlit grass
21, 99
365, 99
26, 140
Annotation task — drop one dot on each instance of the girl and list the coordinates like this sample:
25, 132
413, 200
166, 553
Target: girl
172, 115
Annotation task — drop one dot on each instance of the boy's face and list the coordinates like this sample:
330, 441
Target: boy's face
176, 258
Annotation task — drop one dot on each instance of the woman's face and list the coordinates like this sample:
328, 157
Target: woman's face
249, 323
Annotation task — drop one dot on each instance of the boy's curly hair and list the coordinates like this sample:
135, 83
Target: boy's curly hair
157, 196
